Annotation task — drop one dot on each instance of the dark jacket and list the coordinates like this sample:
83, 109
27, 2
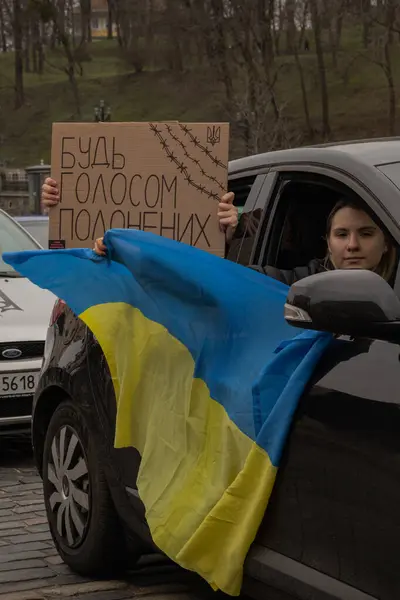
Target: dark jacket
291, 276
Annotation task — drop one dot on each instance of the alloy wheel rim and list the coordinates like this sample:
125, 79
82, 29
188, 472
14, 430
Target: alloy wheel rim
69, 496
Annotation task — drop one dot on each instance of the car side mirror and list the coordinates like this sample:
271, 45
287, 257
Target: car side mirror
353, 302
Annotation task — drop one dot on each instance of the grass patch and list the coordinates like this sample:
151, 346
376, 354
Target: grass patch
358, 105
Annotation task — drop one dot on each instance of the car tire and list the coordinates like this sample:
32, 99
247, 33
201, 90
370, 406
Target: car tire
83, 521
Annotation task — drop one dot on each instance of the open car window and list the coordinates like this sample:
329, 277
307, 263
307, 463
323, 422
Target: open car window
303, 203
299, 230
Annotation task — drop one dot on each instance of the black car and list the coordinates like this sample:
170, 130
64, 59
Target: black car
332, 529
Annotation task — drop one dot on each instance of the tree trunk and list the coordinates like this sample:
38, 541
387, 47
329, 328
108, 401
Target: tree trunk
388, 70
75, 92
203, 34
175, 36
19, 97
53, 38
70, 70
110, 19
27, 47
85, 21
40, 51
35, 44
339, 27
89, 21
61, 18
304, 96
3, 39
326, 130
303, 26
220, 48
290, 25
265, 19
366, 20
120, 36
124, 26
332, 43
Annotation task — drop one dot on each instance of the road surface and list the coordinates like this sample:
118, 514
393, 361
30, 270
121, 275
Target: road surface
30, 568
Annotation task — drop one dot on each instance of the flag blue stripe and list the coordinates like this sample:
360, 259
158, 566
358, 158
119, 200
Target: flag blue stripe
229, 317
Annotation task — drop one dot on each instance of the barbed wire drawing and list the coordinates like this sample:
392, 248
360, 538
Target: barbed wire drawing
194, 160
205, 149
182, 168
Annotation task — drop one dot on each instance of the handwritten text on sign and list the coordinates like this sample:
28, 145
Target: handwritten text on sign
165, 178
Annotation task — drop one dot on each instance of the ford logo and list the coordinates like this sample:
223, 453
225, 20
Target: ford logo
11, 353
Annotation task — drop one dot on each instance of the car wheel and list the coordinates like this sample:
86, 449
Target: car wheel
83, 522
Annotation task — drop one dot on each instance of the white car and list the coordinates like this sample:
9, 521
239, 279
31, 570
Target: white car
37, 226
25, 311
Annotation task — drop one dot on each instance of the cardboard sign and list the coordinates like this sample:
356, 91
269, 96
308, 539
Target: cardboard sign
166, 178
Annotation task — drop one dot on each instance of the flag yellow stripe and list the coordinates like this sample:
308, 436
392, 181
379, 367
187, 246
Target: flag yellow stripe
204, 483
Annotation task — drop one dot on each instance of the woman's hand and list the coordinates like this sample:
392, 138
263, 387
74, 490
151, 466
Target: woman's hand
99, 247
50, 193
228, 215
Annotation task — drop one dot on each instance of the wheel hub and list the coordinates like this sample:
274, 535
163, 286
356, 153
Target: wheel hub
68, 487
65, 487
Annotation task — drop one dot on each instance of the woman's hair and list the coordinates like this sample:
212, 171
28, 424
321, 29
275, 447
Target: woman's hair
389, 259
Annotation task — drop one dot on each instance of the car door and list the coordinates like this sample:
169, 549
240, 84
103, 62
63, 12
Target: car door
332, 529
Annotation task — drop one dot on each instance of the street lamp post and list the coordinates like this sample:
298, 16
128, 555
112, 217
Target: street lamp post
102, 113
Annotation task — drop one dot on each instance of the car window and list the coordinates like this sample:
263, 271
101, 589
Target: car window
302, 203
252, 196
298, 229
12, 239
241, 187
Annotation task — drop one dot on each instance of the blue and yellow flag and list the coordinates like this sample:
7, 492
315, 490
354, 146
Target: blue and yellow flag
207, 377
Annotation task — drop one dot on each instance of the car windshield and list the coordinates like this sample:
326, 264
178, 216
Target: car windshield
12, 239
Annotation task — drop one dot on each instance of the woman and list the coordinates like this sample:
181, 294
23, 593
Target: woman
227, 212
354, 241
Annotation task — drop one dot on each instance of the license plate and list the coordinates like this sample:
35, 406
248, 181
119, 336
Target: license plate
18, 384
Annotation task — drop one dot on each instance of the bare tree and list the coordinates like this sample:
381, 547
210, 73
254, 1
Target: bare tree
334, 11
86, 28
296, 40
247, 64
12, 12
382, 22
278, 19
110, 18
366, 21
316, 23
221, 47
26, 42
173, 18
387, 19
49, 13
130, 18
17, 17
3, 26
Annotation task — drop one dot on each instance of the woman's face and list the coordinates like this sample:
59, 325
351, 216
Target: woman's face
355, 241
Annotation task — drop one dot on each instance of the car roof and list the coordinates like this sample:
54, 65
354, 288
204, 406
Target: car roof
368, 153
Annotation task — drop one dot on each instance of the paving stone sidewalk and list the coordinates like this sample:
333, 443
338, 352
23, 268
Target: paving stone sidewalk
30, 568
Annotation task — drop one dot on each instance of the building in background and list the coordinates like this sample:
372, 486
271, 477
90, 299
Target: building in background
20, 189
14, 193
98, 21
